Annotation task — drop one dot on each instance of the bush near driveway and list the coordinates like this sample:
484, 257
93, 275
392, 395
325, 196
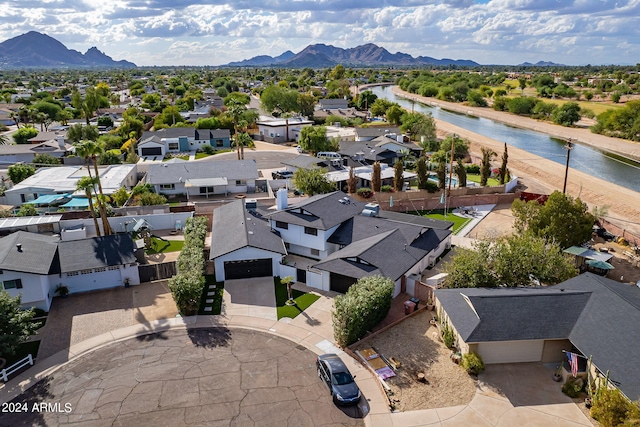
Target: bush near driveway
364, 305
186, 286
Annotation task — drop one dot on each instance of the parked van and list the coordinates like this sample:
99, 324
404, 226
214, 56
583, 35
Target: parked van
329, 155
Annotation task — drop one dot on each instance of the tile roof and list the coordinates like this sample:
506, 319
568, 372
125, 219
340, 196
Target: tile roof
235, 228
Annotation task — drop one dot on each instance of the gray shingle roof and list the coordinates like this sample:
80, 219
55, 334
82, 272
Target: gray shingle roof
105, 251
598, 315
323, 211
37, 256
372, 132
305, 162
163, 173
235, 228
187, 132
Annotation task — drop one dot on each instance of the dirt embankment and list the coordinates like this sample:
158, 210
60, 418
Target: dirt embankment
540, 174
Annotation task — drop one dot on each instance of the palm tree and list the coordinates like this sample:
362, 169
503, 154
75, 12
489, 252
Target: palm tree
243, 140
91, 150
4, 140
88, 184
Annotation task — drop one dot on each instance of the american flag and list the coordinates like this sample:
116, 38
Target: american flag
573, 362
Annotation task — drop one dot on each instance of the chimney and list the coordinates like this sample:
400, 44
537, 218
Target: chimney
60, 141
281, 199
19, 247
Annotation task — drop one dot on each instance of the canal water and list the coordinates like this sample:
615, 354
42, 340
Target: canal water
606, 166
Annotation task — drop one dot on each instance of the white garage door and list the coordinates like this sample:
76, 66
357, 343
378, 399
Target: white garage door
511, 352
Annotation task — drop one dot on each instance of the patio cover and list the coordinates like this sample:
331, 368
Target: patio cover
588, 253
76, 202
602, 265
47, 199
205, 182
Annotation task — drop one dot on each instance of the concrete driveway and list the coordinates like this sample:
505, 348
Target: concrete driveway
253, 297
508, 395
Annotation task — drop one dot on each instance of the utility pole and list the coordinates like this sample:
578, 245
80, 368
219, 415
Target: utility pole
453, 149
567, 147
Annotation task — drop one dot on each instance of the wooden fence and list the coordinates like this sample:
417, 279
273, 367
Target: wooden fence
151, 272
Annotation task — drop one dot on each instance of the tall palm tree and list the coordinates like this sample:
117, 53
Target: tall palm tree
90, 150
243, 140
88, 185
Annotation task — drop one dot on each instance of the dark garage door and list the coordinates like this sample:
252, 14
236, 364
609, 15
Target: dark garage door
151, 151
340, 283
248, 268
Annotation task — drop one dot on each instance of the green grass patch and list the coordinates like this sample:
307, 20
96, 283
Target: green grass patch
159, 246
182, 157
210, 279
202, 155
458, 222
596, 107
491, 182
303, 300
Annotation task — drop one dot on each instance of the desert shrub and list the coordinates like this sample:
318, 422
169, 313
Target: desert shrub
448, 336
472, 363
364, 192
386, 189
208, 149
364, 305
431, 187
573, 387
611, 409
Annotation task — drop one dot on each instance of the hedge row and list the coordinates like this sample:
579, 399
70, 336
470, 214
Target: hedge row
186, 286
364, 305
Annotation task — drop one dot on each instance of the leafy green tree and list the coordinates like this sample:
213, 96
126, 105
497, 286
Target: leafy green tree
110, 158
27, 209
24, 134
110, 141
485, 167
523, 84
460, 146
150, 199
380, 107
364, 305
421, 127
567, 114
518, 260
398, 178
90, 103
422, 173
170, 116
19, 172
562, 219
476, 99
279, 100
314, 139
120, 197
366, 99
45, 159
503, 166
306, 104
313, 181
16, 324
394, 113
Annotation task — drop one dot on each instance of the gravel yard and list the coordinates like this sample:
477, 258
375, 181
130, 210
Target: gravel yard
412, 343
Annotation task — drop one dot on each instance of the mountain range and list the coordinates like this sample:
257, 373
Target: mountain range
368, 55
34, 49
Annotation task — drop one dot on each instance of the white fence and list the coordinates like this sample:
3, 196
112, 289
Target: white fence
4, 374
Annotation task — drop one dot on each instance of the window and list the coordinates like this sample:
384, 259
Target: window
282, 225
315, 252
219, 143
311, 231
174, 146
72, 273
240, 182
114, 267
167, 186
205, 190
98, 270
12, 284
287, 246
88, 271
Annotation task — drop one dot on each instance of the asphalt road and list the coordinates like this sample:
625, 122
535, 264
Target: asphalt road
210, 377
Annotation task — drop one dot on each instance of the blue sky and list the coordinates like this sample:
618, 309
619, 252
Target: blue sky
215, 32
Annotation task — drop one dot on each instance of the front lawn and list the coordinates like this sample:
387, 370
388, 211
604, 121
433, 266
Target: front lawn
491, 182
216, 304
302, 299
159, 246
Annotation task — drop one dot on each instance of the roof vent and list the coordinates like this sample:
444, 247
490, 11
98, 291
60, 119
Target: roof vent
19, 247
250, 232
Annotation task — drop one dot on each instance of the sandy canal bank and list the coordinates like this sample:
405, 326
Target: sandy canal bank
540, 174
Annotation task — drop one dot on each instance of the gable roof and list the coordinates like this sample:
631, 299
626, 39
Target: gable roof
97, 252
372, 132
235, 228
322, 211
598, 315
304, 161
170, 173
187, 132
37, 254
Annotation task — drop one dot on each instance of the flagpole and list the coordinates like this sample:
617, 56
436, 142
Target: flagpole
579, 355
